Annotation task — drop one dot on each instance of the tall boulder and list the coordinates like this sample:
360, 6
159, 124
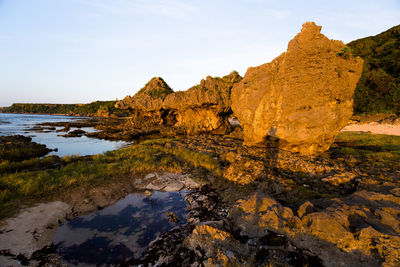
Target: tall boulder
301, 100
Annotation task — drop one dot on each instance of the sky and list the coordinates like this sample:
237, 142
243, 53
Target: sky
78, 51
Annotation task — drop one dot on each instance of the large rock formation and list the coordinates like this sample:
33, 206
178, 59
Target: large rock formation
145, 106
202, 108
300, 100
149, 98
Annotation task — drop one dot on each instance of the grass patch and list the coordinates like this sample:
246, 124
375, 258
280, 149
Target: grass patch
367, 147
30, 164
130, 162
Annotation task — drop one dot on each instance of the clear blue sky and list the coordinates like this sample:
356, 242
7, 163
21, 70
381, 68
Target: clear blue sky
77, 51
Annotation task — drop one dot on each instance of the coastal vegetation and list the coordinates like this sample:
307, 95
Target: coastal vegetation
373, 149
36, 178
96, 108
378, 90
21, 180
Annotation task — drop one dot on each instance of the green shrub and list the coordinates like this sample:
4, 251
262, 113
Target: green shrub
378, 90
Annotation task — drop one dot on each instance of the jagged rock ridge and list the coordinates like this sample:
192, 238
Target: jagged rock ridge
202, 108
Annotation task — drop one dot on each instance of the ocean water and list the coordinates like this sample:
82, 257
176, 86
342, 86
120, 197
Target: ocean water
121, 231
13, 124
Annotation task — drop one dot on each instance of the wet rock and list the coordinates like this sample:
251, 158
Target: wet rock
204, 205
300, 100
172, 217
75, 133
66, 128
18, 148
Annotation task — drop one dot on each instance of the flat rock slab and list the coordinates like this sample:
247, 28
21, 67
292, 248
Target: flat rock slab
166, 182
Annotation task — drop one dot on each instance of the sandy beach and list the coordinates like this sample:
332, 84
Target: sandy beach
373, 127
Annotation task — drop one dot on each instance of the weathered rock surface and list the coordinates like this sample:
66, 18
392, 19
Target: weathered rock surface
359, 229
215, 244
202, 108
166, 182
149, 98
300, 100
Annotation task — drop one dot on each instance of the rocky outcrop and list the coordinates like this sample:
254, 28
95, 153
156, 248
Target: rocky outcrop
146, 105
149, 98
361, 229
19, 148
300, 100
202, 108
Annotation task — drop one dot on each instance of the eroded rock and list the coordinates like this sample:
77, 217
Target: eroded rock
300, 100
354, 230
202, 108
215, 244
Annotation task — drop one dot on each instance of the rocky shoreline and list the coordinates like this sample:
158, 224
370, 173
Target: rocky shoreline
282, 188
319, 209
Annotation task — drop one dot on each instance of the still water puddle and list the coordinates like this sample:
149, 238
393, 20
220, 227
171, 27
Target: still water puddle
121, 231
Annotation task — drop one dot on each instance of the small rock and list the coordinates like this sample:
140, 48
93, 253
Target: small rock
172, 217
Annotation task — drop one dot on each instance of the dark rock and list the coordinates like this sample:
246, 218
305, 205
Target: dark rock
18, 148
74, 133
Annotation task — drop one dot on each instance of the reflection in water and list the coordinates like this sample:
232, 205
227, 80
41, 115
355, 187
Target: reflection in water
12, 124
121, 231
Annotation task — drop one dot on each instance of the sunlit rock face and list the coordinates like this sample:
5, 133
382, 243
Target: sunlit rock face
360, 228
301, 100
202, 108
150, 97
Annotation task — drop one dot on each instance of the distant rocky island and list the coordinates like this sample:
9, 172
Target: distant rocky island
271, 180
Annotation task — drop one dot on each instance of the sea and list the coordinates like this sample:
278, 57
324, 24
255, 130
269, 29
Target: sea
21, 124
